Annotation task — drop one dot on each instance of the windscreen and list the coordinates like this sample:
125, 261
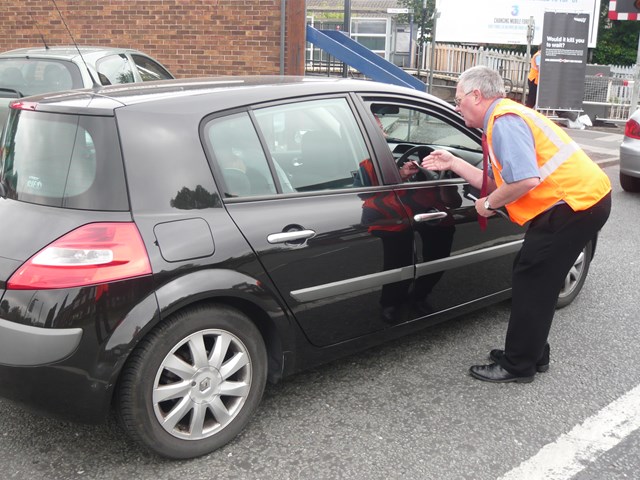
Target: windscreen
59, 160
31, 76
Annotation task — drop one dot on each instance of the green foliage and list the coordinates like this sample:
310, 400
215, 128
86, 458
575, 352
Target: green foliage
422, 16
617, 40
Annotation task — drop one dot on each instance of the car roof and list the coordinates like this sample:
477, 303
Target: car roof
66, 52
226, 92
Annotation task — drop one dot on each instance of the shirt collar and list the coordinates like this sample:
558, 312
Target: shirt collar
487, 114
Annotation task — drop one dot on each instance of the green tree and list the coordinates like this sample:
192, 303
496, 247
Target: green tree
422, 16
617, 40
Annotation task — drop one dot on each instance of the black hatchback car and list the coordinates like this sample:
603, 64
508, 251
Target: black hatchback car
169, 247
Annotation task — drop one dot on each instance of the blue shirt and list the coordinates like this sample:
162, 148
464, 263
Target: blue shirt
513, 146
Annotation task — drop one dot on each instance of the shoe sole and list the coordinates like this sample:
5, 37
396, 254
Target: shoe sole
539, 368
508, 380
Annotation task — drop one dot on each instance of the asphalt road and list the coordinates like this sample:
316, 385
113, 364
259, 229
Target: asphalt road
408, 409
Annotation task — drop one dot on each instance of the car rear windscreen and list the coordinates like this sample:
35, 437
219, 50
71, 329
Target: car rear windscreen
60, 160
31, 76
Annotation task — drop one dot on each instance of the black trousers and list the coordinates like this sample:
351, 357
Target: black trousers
552, 242
532, 96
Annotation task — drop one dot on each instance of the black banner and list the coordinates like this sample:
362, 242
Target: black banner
563, 61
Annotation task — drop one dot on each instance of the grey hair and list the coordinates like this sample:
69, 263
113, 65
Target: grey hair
482, 78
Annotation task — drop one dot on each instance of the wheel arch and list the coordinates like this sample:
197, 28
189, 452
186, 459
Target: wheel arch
215, 287
243, 292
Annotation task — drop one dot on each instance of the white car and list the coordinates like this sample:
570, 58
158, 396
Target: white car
630, 155
31, 71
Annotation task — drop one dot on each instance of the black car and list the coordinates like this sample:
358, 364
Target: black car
169, 247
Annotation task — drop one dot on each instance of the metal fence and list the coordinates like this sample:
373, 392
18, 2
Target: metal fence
455, 59
607, 97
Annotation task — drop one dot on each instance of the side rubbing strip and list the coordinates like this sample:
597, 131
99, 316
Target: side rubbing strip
376, 280
353, 284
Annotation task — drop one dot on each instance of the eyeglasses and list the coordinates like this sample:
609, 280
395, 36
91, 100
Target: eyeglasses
458, 100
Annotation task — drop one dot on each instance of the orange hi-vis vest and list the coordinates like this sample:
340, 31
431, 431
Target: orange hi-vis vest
534, 71
566, 172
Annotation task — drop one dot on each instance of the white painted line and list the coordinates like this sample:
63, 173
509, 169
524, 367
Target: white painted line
611, 151
612, 137
574, 451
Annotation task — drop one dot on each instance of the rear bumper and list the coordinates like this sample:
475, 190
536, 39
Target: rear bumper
39, 369
58, 391
630, 158
25, 345
61, 350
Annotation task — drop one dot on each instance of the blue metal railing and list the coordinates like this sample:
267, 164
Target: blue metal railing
345, 49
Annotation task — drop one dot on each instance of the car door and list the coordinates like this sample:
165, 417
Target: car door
457, 263
314, 211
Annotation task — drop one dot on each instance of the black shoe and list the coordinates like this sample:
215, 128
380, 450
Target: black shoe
496, 354
496, 374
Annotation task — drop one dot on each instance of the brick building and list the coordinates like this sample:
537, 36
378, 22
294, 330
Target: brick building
190, 37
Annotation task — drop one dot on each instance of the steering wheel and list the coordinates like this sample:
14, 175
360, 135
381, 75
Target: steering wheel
12, 90
404, 158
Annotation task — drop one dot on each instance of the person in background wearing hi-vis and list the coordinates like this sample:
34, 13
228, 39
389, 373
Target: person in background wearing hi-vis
546, 182
534, 77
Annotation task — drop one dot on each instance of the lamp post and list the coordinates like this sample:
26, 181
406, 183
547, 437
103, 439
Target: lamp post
347, 30
436, 14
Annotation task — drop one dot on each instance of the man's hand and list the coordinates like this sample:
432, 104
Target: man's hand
439, 160
483, 211
408, 170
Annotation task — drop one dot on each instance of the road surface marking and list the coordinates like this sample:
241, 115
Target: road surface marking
574, 451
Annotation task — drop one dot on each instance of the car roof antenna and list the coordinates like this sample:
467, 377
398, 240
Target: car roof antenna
95, 84
40, 33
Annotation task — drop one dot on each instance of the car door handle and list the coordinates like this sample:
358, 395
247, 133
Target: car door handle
426, 217
293, 236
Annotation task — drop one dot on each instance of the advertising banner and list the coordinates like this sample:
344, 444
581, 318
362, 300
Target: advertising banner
505, 21
563, 61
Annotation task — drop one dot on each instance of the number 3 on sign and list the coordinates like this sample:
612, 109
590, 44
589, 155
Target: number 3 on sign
515, 10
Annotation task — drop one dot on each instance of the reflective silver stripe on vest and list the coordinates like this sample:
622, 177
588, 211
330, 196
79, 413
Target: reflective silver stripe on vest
565, 150
558, 159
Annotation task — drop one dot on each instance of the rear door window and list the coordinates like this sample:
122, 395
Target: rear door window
239, 156
61, 160
310, 146
115, 69
150, 70
317, 143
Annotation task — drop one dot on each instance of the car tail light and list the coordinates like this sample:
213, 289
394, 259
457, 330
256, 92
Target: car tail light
20, 105
632, 129
92, 254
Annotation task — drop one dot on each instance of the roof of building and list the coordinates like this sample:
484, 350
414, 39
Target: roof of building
356, 5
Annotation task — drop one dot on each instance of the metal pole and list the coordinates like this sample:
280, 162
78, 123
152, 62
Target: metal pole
420, 43
347, 30
636, 81
283, 17
436, 14
410, 39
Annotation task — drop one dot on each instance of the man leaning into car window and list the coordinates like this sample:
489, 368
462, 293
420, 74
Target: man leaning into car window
545, 181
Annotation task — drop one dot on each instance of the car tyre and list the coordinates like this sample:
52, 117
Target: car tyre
629, 183
576, 277
193, 382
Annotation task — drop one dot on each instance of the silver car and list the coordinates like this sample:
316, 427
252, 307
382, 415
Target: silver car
31, 71
630, 154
